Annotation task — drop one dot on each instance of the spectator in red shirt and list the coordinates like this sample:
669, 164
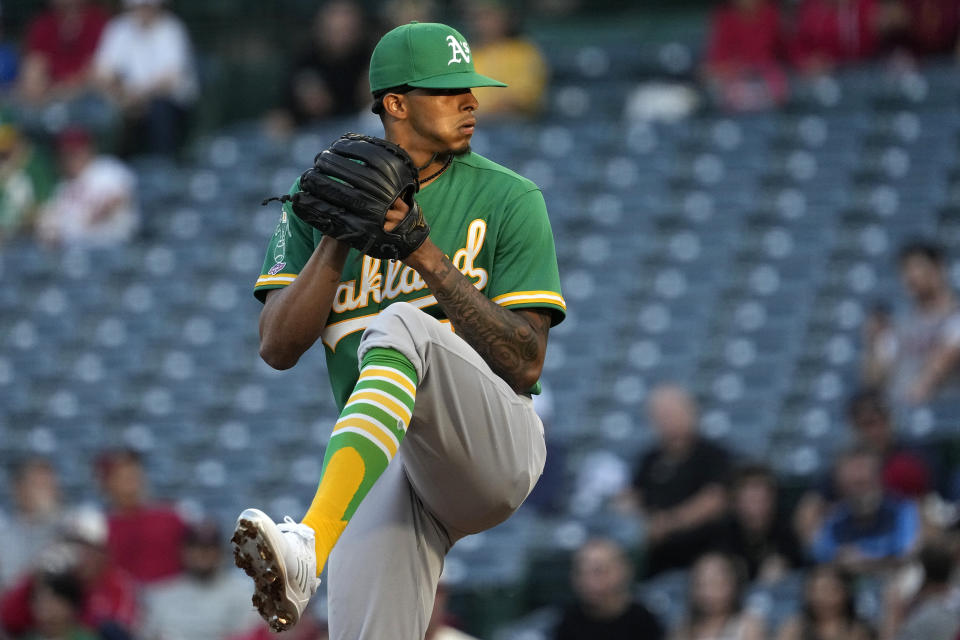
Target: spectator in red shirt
905, 472
108, 601
60, 44
144, 536
744, 53
830, 33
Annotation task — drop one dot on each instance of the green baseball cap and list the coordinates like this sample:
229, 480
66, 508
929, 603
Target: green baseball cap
428, 55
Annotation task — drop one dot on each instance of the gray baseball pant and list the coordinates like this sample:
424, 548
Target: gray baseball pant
472, 453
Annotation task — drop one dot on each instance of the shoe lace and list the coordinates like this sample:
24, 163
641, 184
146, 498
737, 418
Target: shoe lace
302, 531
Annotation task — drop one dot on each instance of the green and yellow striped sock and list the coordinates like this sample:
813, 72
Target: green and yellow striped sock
365, 439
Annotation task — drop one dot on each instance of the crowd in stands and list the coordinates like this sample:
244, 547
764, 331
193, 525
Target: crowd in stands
753, 44
131, 568
719, 521
727, 524
86, 91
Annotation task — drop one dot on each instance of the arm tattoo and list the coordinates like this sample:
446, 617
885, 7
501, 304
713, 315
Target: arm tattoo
510, 342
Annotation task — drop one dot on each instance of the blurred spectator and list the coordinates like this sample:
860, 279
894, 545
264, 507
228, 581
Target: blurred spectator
915, 357
715, 602
33, 526
94, 205
398, 12
26, 178
829, 33
905, 473
144, 62
56, 600
206, 601
108, 596
925, 27
441, 626
868, 529
743, 66
9, 59
759, 533
680, 486
145, 537
500, 50
828, 611
60, 44
605, 608
933, 612
329, 78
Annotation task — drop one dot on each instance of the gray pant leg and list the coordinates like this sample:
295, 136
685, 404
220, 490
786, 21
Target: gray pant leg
474, 449
472, 454
383, 571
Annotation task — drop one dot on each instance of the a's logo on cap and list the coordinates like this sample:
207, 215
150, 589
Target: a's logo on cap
460, 48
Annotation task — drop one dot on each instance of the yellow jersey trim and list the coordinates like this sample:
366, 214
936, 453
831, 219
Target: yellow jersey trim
279, 278
531, 297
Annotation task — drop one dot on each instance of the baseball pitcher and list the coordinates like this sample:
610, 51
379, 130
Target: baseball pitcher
430, 275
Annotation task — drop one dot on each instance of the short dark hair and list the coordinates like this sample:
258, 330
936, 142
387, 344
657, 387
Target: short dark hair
754, 471
922, 248
858, 451
846, 581
23, 467
377, 106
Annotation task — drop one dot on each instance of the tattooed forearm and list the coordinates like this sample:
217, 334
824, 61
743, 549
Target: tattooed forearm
513, 343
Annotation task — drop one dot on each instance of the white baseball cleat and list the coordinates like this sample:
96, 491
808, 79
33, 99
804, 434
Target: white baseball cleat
282, 561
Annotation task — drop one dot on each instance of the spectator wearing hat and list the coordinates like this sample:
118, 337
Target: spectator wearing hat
108, 600
33, 524
205, 602
59, 48
145, 537
502, 51
94, 205
145, 64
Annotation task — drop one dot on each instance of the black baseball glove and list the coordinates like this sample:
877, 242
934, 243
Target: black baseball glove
351, 187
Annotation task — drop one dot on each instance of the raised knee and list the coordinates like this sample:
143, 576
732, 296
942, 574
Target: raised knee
401, 309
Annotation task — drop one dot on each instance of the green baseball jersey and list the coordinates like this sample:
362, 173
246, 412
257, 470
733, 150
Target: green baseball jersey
490, 222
